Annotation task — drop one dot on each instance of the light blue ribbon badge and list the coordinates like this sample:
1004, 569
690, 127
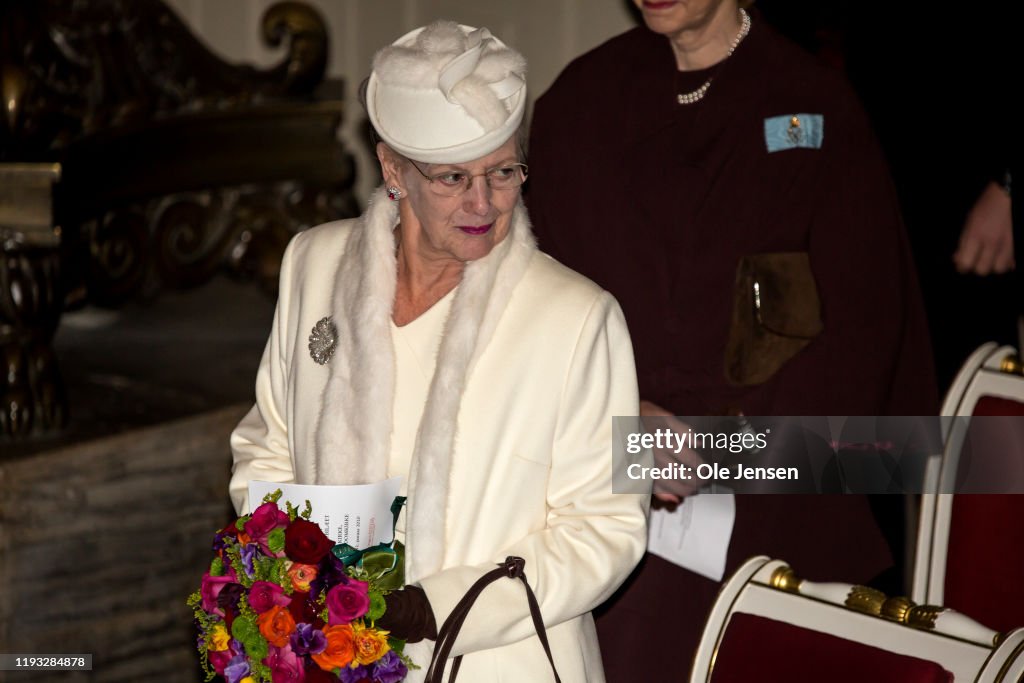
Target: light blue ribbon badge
794, 130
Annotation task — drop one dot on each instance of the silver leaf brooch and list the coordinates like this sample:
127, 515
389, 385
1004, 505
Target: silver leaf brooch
322, 340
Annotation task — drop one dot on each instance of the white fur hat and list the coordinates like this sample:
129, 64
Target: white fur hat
446, 93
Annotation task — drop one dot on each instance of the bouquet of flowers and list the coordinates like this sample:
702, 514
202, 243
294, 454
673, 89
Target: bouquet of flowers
282, 602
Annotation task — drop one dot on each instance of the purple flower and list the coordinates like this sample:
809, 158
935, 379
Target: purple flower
308, 640
358, 674
330, 572
236, 669
220, 539
389, 669
228, 597
248, 553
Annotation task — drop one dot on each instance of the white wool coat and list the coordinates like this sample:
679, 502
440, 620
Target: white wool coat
529, 468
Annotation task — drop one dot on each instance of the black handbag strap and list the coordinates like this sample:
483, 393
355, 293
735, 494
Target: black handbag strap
511, 568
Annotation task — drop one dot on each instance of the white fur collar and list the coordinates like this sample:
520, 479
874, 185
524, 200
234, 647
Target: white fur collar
353, 437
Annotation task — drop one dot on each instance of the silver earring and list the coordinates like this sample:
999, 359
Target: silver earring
394, 194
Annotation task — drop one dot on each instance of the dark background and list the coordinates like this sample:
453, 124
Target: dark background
938, 84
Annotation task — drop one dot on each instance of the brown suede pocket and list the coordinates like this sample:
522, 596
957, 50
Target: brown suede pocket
776, 313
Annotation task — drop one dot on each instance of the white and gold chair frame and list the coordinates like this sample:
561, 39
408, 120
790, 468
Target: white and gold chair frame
992, 370
769, 588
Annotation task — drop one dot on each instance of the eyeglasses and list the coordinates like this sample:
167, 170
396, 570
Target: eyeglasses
454, 183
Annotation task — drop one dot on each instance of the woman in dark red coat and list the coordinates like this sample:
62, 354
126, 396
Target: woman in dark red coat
660, 162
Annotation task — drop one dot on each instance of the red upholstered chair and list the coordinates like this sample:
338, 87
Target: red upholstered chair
970, 546
767, 625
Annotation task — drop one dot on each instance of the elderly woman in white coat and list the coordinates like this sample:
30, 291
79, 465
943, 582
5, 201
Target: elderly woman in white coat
430, 339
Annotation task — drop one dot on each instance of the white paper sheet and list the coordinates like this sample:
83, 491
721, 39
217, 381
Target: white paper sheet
357, 515
696, 534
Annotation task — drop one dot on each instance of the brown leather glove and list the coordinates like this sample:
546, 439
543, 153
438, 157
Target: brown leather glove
408, 615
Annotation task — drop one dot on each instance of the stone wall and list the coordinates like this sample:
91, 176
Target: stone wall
101, 543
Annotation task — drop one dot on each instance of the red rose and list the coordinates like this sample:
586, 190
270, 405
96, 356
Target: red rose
314, 674
219, 660
304, 610
305, 543
264, 595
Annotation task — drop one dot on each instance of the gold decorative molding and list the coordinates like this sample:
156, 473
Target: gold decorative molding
875, 603
896, 609
923, 616
867, 600
1012, 365
785, 579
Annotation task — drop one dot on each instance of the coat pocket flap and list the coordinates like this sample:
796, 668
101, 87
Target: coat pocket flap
784, 294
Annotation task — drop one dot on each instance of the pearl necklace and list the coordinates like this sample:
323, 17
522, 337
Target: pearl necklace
698, 94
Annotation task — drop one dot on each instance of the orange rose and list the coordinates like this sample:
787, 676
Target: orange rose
276, 625
370, 644
340, 648
301, 575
